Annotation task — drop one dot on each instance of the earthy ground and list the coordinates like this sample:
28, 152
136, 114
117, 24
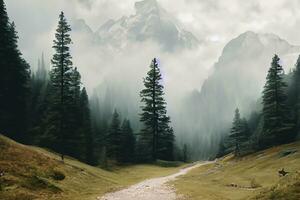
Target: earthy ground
251, 177
28, 173
152, 188
34, 173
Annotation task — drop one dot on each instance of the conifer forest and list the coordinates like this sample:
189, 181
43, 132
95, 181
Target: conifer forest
152, 99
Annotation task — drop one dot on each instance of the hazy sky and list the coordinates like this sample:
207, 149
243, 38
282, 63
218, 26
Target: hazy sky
213, 21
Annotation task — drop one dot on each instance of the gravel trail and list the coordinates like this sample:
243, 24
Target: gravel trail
151, 189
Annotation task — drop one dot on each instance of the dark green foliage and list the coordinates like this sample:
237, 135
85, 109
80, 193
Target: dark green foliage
238, 140
14, 81
277, 125
222, 149
127, 150
166, 143
86, 128
157, 137
63, 124
294, 95
38, 104
57, 128
114, 137
239, 132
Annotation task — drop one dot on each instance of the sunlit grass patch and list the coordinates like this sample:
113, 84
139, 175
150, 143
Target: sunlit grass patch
254, 176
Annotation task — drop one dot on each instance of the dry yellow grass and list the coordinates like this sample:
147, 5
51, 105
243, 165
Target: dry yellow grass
31, 173
251, 177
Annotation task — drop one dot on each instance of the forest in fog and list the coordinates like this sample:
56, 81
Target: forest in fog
136, 107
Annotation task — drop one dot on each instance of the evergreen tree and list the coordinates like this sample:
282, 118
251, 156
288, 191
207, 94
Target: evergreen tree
127, 151
296, 94
57, 130
222, 149
239, 133
37, 106
114, 137
276, 124
86, 128
157, 137
14, 81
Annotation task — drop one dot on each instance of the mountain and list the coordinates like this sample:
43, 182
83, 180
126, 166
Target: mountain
150, 22
237, 81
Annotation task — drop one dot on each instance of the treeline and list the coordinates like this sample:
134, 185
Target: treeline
278, 121
52, 109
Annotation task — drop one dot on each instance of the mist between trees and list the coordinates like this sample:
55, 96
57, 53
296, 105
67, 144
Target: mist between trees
52, 109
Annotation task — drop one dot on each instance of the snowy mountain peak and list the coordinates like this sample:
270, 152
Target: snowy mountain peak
150, 22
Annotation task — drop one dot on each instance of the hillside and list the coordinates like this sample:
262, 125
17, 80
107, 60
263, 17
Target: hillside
251, 177
33, 173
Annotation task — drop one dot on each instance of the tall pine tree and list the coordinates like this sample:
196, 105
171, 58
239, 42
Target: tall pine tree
14, 81
57, 130
276, 126
157, 137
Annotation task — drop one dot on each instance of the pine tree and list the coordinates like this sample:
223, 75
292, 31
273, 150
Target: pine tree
57, 129
86, 128
296, 94
127, 151
74, 121
114, 137
37, 106
239, 134
276, 125
157, 137
236, 132
14, 81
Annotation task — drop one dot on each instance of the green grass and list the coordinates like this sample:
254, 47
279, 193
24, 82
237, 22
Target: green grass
251, 177
35, 173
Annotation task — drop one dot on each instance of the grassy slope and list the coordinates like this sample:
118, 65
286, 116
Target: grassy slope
29, 174
251, 177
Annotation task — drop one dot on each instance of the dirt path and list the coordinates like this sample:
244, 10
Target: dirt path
151, 189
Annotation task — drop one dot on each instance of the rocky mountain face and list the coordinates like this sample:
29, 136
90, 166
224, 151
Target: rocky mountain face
237, 81
150, 22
